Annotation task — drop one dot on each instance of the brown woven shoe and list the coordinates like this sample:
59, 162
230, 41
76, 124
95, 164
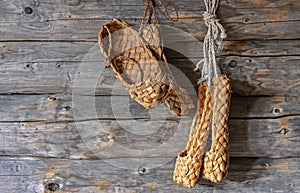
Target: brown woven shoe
137, 59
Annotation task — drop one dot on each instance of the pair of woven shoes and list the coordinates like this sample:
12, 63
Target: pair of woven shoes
212, 114
138, 61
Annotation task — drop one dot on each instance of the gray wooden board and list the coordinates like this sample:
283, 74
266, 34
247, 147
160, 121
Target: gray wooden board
60, 107
229, 11
49, 143
30, 175
50, 67
33, 52
62, 20
250, 76
248, 138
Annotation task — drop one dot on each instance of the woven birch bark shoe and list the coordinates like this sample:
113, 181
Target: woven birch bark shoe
189, 161
216, 160
138, 61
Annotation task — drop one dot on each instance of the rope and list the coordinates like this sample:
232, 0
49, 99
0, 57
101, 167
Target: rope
106, 62
213, 42
150, 8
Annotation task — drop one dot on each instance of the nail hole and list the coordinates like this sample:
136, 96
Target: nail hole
52, 187
52, 98
28, 10
67, 108
284, 131
276, 110
246, 20
265, 165
233, 64
27, 65
142, 170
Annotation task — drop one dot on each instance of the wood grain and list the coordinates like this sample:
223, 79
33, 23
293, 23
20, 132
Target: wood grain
245, 175
59, 107
251, 76
49, 19
52, 142
34, 52
276, 138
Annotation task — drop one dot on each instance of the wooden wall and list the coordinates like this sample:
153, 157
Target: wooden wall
40, 147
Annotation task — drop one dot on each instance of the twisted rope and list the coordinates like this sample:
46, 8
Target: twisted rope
150, 8
213, 42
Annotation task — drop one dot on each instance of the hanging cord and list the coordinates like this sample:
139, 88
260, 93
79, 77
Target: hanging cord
106, 62
213, 42
150, 9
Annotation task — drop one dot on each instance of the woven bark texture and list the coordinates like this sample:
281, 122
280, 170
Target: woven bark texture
216, 160
137, 59
189, 161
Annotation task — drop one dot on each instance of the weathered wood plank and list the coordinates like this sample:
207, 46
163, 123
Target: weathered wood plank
70, 20
248, 138
245, 175
264, 75
35, 129
29, 52
250, 76
61, 107
87, 30
229, 11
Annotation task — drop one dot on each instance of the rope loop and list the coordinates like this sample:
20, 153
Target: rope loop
150, 9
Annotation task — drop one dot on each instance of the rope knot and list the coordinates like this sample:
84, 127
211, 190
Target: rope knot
209, 18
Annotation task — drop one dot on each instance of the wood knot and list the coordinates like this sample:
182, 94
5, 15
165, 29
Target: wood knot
105, 137
52, 186
233, 64
28, 10
72, 2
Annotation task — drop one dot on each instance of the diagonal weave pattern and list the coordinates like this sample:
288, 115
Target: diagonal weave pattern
139, 62
189, 161
216, 160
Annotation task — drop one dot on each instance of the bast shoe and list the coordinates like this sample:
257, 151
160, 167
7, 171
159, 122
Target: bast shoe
138, 61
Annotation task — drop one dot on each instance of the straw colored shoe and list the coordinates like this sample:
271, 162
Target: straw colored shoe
138, 61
